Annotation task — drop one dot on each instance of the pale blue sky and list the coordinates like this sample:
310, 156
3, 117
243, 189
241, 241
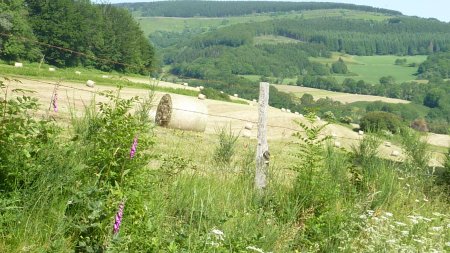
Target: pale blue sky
439, 9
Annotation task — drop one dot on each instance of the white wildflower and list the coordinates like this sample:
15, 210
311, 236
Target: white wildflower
437, 214
436, 229
388, 214
425, 199
254, 249
404, 232
363, 217
419, 241
417, 200
214, 244
370, 212
401, 178
447, 244
219, 234
401, 224
392, 241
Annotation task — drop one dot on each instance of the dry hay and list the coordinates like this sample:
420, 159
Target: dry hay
181, 112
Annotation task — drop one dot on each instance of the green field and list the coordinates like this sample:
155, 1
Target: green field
372, 68
175, 24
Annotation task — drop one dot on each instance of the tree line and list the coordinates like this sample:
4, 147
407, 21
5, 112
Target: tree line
236, 8
107, 36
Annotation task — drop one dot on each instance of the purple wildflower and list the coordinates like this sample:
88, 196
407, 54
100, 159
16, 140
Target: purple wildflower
118, 219
55, 102
133, 147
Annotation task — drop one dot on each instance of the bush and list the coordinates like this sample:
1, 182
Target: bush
211, 93
227, 143
346, 119
377, 121
419, 125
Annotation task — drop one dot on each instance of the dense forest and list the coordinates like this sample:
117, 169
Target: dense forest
103, 36
235, 8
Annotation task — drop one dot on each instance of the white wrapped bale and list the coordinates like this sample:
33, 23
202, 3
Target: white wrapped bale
201, 96
77, 72
90, 83
185, 84
248, 126
18, 64
246, 134
395, 153
51, 69
360, 132
236, 95
180, 112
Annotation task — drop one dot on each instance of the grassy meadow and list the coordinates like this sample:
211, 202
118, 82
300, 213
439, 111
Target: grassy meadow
76, 182
174, 24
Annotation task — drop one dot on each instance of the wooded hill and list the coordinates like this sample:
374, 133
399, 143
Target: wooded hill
235, 8
68, 33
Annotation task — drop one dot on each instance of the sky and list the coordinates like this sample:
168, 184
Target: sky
439, 9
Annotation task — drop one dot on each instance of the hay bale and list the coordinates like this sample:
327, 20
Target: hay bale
288, 110
236, 95
387, 144
182, 113
334, 135
185, 84
90, 83
300, 115
317, 118
283, 110
77, 72
18, 64
201, 96
248, 126
221, 92
201, 87
51, 69
296, 113
360, 132
395, 153
246, 134
337, 144
105, 76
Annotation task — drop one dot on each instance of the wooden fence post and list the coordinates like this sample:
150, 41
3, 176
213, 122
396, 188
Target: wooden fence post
262, 149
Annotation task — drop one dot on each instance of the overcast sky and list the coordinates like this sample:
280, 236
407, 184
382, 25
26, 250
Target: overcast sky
439, 9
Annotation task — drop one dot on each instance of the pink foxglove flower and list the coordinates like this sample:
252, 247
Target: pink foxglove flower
133, 147
55, 102
118, 218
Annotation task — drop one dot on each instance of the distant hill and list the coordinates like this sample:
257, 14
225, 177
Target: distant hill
236, 8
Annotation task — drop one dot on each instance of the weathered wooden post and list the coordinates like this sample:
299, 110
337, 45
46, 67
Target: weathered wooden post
262, 149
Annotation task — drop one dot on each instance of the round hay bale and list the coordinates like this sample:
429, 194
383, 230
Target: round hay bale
334, 135
181, 113
288, 110
185, 84
395, 153
246, 133
283, 110
51, 69
254, 101
77, 72
201, 96
221, 92
301, 115
360, 132
18, 64
296, 113
248, 126
105, 76
337, 144
201, 87
236, 95
90, 83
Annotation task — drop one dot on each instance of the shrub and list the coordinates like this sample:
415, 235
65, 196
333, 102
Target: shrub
346, 119
376, 121
419, 125
211, 93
